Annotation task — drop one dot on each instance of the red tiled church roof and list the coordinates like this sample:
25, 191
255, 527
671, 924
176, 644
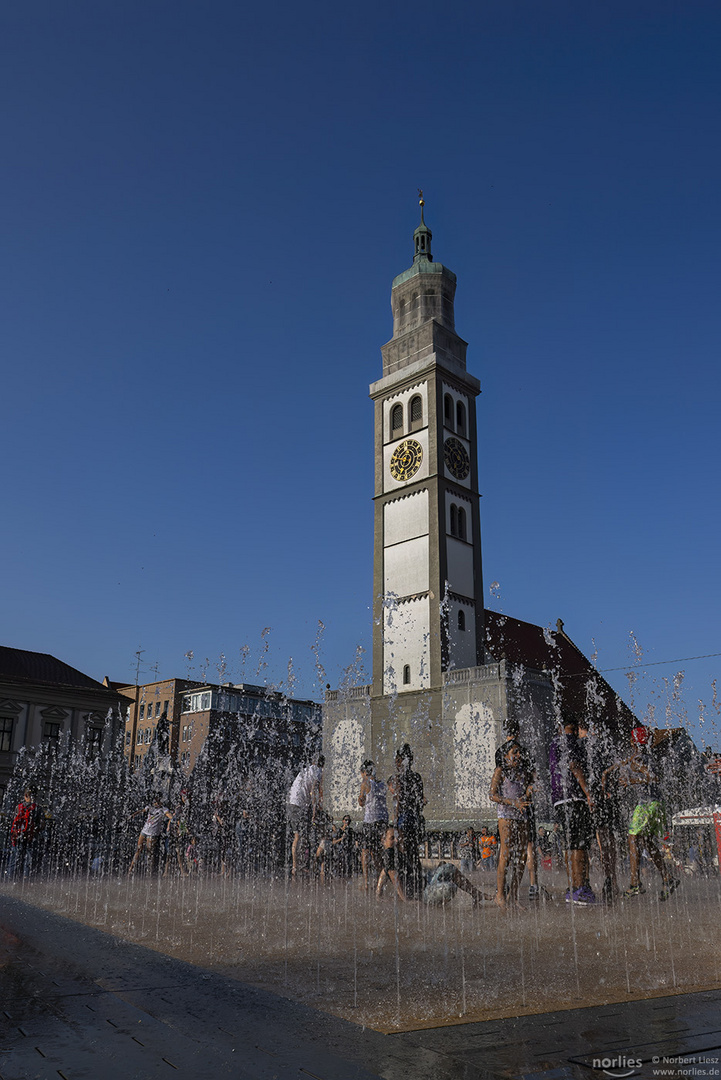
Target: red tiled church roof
543, 649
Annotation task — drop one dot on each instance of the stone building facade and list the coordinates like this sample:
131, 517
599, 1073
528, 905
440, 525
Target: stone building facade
265, 723
43, 699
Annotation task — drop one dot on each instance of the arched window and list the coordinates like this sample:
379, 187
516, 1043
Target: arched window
407, 675
416, 409
396, 419
461, 417
448, 410
461, 523
461, 619
454, 520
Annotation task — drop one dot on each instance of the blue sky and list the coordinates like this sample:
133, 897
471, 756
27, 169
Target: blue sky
204, 206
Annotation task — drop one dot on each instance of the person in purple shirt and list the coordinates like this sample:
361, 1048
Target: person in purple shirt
572, 805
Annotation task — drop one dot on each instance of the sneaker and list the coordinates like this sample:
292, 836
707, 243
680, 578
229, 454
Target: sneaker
669, 888
533, 893
634, 890
583, 897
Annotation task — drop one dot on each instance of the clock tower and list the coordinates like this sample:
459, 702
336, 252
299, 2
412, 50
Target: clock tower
427, 584
435, 684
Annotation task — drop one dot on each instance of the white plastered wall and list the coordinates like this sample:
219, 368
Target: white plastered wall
475, 738
462, 643
405, 518
345, 753
406, 633
460, 567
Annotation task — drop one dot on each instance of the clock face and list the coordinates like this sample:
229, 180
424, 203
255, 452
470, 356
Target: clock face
456, 458
406, 460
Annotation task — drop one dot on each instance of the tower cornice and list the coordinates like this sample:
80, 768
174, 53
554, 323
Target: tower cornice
406, 376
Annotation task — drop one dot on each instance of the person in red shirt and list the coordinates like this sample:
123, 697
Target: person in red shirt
23, 832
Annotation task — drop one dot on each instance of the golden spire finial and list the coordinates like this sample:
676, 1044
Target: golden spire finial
421, 203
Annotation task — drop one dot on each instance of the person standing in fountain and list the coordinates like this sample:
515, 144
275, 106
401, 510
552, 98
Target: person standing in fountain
305, 800
178, 835
372, 799
572, 808
510, 790
606, 814
151, 831
647, 826
406, 787
23, 835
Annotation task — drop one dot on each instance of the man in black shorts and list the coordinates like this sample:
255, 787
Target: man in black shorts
608, 820
572, 806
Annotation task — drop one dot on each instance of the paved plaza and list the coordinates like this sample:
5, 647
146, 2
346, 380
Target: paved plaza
80, 1004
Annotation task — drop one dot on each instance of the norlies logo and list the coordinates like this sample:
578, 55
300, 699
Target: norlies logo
617, 1066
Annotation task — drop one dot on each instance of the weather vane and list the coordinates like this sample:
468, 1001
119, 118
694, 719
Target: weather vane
421, 201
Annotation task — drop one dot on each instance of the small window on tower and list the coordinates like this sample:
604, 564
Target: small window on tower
454, 520
461, 620
407, 675
461, 417
416, 409
448, 410
396, 419
461, 523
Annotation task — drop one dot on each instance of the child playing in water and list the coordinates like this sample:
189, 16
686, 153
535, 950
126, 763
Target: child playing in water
511, 791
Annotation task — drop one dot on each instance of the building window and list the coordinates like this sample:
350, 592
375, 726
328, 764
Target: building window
141, 713
93, 739
461, 523
6, 733
127, 738
461, 417
416, 409
165, 707
407, 675
51, 730
454, 520
461, 620
448, 410
139, 738
396, 419
157, 708
198, 702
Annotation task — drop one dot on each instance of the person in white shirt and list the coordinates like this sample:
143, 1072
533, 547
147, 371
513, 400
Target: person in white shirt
151, 831
305, 799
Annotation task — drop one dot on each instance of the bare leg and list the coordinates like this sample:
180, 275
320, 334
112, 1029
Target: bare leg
532, 861
657, 859
518, 837
365, 859
579, 868
607, 846
139, 848
634, 858
465, 885
504, 857
294, 853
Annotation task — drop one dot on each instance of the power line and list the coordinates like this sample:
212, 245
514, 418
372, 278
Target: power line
656, 663
653, 663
